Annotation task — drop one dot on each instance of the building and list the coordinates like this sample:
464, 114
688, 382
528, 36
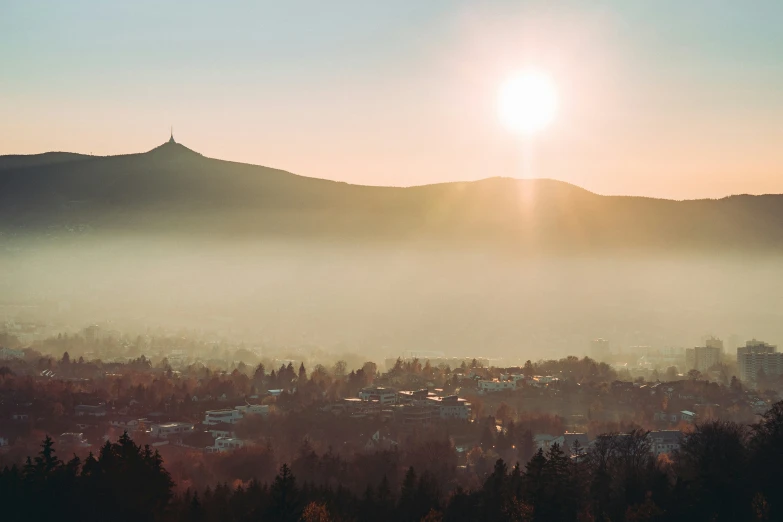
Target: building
664, 441
451, 407
705, 357
758, 356
71, 440
687, 416
714, 342
223, 444
253, 409
412, 397
86, 410
415, 415
496, 386
599, 349
171, 429
234, 415
227, 416
568, 441
666, 417
690, 358
383, 395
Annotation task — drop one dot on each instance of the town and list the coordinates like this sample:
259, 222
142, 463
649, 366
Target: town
210, 401
236, 419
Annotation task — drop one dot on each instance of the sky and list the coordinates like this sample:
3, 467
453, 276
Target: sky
664, 99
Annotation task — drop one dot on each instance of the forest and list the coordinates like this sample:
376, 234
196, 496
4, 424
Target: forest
723, 471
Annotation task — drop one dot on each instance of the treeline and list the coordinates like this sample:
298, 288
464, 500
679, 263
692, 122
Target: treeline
723, 472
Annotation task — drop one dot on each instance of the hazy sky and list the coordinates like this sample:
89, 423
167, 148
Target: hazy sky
669, 98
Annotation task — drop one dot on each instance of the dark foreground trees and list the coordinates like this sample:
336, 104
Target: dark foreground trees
723, 472
125, 482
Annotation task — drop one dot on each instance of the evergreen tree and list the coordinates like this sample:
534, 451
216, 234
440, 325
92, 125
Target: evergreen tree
284, 496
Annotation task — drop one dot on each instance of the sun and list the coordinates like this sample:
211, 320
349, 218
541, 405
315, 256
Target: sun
527, 102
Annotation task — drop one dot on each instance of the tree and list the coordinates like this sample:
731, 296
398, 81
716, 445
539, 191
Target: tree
504, 413
526, 447
766, 460
315, 512
694, 374
528, 370
66, 360
339, 369
488, 434
284, 494
712, 466
259, 373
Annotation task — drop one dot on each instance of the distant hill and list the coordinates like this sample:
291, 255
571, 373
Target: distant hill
172, 189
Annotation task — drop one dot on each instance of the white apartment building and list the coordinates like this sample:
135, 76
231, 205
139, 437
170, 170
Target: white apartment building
228, 416
705, 357
756, 356
451, 407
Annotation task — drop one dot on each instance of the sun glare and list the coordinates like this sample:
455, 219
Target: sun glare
527, 102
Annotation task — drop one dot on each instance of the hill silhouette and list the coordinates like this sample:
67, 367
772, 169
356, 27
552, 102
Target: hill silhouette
173, 189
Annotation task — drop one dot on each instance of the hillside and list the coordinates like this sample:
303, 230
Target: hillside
172, 189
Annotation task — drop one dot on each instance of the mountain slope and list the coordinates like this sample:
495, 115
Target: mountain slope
173, 189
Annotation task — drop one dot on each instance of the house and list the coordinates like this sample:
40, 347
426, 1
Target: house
221, 431
379, 442
73, 440
84, 410
568, 440
451, 407
665, 417
20, 416
664, 441
223, 444
125, 423
496, 385
4, 441
171, 429
687, 416
253, 409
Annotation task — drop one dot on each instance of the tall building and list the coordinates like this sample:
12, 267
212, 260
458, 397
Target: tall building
690, 358
714, 342
599, 349
705, 357
756, 356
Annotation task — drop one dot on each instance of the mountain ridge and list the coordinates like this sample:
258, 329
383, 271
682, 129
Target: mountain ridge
173, 189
